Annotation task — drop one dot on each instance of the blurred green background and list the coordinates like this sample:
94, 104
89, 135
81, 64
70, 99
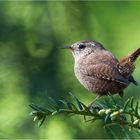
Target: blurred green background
33, 67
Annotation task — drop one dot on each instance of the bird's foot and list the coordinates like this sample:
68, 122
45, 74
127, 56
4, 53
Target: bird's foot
92, 105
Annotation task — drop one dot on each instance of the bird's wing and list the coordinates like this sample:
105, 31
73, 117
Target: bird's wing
105, 71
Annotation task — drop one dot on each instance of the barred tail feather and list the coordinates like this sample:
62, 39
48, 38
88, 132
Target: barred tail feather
135, 55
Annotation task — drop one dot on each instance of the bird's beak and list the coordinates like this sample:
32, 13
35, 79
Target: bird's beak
67, 47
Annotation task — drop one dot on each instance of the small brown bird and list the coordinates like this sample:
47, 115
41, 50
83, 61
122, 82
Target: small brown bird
99, 71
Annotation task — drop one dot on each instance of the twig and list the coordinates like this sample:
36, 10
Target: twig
126, 115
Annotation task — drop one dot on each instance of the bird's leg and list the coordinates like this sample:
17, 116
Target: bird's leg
91, 104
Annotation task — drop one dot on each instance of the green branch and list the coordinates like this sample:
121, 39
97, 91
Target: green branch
110, 113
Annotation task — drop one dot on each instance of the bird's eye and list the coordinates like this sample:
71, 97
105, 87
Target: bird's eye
82, 46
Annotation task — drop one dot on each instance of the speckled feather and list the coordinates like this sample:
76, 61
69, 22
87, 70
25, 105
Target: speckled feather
102, 75
99, 71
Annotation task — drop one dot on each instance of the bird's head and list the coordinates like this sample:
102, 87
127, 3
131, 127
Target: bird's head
84, 48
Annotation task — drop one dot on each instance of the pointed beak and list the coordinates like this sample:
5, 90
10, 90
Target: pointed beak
67, 47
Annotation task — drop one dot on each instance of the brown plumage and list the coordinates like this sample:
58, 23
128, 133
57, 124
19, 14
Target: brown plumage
99, 71
126, 65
